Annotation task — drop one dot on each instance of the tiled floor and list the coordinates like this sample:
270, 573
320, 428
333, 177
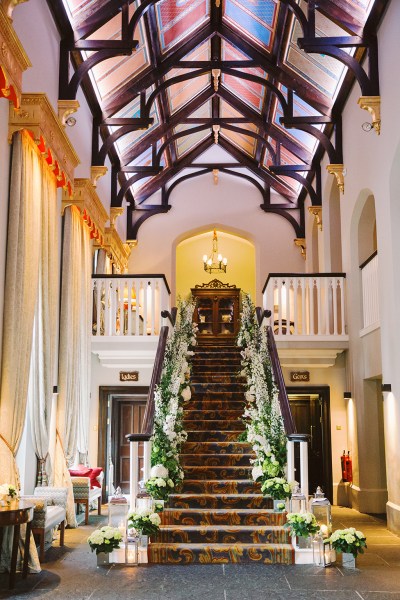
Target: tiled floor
70, 573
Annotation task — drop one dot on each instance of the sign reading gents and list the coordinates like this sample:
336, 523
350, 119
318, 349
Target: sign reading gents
129, 375
300, 376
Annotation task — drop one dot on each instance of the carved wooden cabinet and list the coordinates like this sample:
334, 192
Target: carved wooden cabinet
217, 312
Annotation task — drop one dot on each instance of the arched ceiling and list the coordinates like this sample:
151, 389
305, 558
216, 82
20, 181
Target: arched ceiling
167, 79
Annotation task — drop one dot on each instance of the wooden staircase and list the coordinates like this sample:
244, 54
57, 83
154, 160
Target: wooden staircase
220, 515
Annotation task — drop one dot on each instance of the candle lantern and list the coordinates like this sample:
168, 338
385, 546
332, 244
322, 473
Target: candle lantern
118, 509
321, 509
298, 501
143, 498
322, 552
131, 551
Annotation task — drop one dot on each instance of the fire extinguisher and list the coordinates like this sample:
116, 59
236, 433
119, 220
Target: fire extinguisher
349, 468
343, 461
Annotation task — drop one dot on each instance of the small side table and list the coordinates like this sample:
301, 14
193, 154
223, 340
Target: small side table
16, 514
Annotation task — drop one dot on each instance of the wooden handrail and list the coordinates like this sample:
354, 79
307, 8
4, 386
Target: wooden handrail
132, 276
288, 421
261, 314
315, 275
148, 419
170, 315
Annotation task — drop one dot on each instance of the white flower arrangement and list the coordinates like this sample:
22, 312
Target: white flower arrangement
144, 521
348, 540
262, 415
158, 471
170, 395
301, 524
105, 539
7, 493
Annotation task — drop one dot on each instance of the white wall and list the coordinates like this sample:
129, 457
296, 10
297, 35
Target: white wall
232, 205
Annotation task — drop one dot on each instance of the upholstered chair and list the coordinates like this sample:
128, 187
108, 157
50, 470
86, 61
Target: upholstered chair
49, 513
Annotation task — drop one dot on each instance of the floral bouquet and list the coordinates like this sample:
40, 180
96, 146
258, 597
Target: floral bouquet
276, 487
7, 493
301, 524
105, 539
145, 521
159, 485
348, 540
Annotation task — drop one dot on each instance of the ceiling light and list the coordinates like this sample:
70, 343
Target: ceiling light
215, 263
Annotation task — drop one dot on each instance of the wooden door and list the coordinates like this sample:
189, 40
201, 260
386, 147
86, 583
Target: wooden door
127, 417
311, 415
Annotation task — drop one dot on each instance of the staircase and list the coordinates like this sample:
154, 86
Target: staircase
220, 515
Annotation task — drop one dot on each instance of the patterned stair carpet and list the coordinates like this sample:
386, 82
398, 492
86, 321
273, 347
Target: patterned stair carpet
220, 515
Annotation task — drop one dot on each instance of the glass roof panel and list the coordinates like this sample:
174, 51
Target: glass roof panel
253, 18
323, 72
177, 19
111, 74
241, 141
132, 110
188, 142
180, 94
300, 109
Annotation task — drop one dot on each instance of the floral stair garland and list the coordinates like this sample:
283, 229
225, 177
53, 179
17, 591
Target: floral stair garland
262, 416
170, 395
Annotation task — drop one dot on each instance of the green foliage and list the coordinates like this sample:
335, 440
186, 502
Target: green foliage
301, 524
348, 540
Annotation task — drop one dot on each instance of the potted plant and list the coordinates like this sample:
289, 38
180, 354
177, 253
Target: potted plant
302, 526
279, 489
103, 541
350, 543
145, 522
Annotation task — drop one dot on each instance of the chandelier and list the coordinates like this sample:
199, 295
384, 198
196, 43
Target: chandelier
215, 263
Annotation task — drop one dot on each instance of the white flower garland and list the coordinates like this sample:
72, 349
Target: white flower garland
172, 392
262, 415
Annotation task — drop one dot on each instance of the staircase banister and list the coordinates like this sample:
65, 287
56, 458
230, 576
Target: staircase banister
171, 316
262, 314
288, 421
148, 419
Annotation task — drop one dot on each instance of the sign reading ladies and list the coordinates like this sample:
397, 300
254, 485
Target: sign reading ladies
129, 375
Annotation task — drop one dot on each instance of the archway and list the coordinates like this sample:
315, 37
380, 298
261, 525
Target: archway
241, 267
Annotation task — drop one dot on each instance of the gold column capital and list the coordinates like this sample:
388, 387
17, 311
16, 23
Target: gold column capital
373, 105
338, 171
301, 243
115, 212
316, 211
66, 108
96, 172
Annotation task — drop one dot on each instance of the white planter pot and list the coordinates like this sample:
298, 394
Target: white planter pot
348, 560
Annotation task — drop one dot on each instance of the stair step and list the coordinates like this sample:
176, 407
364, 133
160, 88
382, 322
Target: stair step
198, 486
213, 425
201, 394
215, 405
211, 460
199, 361
209, 501
217, 534
230, 435
213, 415
217, 472
211, 368
217, 387
210, 378
216, 447
221, 553
222, 516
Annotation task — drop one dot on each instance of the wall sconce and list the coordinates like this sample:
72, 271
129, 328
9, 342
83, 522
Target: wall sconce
347, 395
386, 387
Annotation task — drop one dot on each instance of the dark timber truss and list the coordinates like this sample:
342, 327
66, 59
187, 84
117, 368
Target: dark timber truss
151, 86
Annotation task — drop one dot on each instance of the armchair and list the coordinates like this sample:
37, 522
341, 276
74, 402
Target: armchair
49, 513
85, 494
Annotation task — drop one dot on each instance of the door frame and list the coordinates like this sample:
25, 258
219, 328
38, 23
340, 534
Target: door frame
325, 393
106, 394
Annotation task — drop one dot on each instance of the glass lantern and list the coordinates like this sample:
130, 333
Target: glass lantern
131, 551
321, 509
143, 498
118, 509
298, 501
322, 552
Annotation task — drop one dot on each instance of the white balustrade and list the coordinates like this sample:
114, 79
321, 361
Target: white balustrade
370, 292
292, 475
128, 305
306, 305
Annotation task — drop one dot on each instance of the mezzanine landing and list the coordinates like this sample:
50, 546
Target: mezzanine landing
70, 573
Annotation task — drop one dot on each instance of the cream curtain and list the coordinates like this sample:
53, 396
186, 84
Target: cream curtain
21, 285
75, 338
44, 348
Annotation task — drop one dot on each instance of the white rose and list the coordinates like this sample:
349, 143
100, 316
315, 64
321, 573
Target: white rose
155, 519
159, 471
256, 472
186, 393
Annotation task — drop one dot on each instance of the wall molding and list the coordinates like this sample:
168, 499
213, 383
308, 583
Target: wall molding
13, 59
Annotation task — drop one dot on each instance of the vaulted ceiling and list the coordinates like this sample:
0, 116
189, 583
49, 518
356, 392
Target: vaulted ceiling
264, 79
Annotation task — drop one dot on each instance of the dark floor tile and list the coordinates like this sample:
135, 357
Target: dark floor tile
293, 595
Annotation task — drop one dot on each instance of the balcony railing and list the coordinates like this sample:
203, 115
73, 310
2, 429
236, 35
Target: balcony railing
306, 305
128, 305
370, 291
